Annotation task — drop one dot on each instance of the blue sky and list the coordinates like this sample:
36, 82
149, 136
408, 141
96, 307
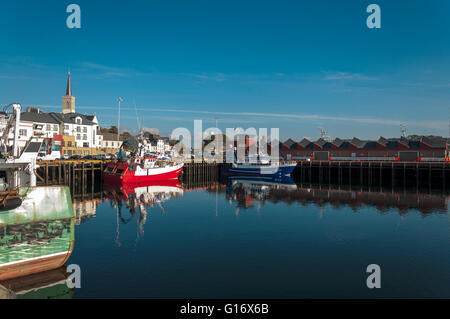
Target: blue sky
295, 65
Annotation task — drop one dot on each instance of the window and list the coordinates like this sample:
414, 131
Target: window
55, 128
66, 127
86, 153
78, 128
85, 129
69, 143
78, 137
84, 137
48, 127
23, 132
85, 144
106, 144
78, 120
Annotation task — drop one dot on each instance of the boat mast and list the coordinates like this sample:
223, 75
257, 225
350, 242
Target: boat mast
118, 120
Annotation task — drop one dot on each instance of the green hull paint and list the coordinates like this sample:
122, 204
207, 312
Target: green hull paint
43, 225
40, 203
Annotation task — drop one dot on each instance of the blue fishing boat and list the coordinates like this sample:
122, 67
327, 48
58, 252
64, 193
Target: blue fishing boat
263, 172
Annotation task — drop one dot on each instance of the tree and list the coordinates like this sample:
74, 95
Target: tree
112, 129
126, 135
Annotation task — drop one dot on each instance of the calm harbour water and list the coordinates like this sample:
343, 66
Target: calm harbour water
248, 240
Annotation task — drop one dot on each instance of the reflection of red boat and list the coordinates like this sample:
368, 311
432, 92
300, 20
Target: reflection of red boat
134, 188
140, 170
138, 197
144, 192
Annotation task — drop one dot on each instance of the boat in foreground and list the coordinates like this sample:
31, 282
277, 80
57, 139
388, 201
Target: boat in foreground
39, 234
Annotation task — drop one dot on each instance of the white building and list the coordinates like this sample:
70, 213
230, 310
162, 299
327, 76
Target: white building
37, 125
110, 142
157, 145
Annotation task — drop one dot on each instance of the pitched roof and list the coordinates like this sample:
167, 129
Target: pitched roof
383, 141
322, 143
412, 141
38, 117
109, 136
70, 118
305, 142
289, 143
434, 141
357, 142
56, 118
338, 142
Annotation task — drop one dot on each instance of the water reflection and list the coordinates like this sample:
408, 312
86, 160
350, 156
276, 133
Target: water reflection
249, 193
85, 209
184, 239
382, 200
138, 199
50, 284
134, 201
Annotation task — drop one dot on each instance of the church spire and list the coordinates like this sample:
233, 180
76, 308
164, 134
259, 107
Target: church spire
68, 99
69, 87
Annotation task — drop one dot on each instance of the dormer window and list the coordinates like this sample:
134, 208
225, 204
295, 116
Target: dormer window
78, 120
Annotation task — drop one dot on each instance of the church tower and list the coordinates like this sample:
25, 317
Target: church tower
68, 100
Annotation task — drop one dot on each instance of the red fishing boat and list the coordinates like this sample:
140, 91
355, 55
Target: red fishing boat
140, 170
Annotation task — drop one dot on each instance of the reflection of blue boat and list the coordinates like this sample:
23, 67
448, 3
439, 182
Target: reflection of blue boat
250, 190
275, 173
267, 180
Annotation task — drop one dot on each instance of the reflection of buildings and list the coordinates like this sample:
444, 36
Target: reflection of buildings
85, 209
382, 201
249, 194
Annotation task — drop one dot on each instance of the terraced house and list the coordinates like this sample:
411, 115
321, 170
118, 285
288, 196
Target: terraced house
79, 132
